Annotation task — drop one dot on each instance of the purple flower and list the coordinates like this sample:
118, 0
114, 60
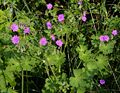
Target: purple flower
43, 41
104, 38
14, 27
49, 25
84, 18
102, 82
49, 6
80, 3
27, 30
114, 32
101, 38
59, 43
53, 37
15, 39
61, 17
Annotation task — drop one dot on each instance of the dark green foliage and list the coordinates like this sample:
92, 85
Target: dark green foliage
78, 65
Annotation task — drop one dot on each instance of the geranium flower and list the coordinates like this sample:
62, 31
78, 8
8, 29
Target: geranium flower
15, 39
49, 6
61, 17
114, 32
43, 41
102, 81
59, 43
26, 30
49, 25
14, 27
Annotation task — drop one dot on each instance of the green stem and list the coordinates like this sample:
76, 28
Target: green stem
92, 18
27, 80
26, 5
22, 81
114, 77
79, 64
53, 71
1, 61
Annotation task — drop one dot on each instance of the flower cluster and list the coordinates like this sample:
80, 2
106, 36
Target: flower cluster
43, 41
60, 16
15, 39
106, 37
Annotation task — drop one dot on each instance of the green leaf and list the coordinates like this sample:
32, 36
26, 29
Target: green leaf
80, 90
91, 66
107, 48
77, 72
55, 58
102, 61
2, 83
9, 76
74, 81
